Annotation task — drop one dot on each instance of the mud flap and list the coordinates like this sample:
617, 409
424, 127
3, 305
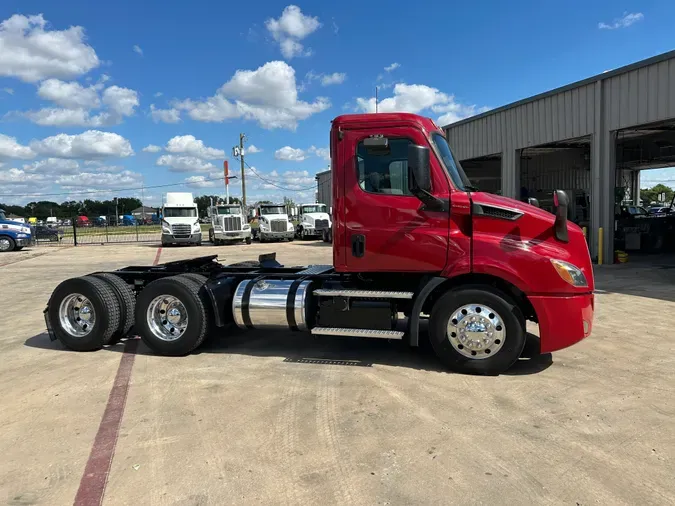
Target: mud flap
50, 331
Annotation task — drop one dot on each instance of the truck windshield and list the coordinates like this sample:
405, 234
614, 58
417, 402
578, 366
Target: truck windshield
228, 210
180, 212
2, 215
319, 208
452, 167
273, 210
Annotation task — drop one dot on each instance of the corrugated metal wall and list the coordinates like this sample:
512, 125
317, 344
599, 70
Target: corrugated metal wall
324, 188
565, 169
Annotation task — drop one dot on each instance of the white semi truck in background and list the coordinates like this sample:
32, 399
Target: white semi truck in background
228, 224
180, 220
273, 223
314, 220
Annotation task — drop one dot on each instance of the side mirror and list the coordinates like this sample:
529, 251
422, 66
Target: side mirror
418, 166
560, 204
533, 202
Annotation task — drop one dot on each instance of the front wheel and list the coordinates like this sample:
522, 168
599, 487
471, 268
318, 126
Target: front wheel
248, 240
7, 243
477, 330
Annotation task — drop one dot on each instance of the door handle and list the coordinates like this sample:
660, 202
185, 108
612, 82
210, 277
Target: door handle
358, 245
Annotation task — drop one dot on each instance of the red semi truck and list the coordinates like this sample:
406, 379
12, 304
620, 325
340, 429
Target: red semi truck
412, 240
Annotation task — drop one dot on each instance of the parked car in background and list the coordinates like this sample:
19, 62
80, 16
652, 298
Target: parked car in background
45, 233
661, 210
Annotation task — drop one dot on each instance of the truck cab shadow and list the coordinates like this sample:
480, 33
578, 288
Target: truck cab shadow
302, 348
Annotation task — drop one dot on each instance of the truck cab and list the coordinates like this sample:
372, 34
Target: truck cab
228, 224
14, 235
273, 223
180, 220
314, 221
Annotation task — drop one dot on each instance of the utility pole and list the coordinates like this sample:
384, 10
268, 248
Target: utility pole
376, 99
239, 151
117, 214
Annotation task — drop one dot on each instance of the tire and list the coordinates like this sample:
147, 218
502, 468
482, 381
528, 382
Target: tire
193, 276
512, 334
18, 248
7, 243
212, 237
248, 240
105, 308
290, 239
187, 292
324, 236
126, 299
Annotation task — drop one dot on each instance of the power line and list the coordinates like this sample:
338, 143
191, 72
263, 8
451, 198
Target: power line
276, 185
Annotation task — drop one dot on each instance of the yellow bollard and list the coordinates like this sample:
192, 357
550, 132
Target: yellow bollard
600, 246
584, 230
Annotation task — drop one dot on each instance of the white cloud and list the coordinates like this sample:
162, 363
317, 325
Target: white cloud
290, 154
9, 91
292, 27
392, 67
10, 148
137, 49
320, 152
200, 182
415, 98
334, 78
170, 115
178, 163
623, 22
70, 95
151, 148
189, 145
158, 94
17, 176
89, 144
100, 180
121, 101
31, 52
268, 95
252, 149
53, 166
76, 101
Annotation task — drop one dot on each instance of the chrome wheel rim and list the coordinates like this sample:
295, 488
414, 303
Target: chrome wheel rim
476, 331
4, 244
77, 315
167, 317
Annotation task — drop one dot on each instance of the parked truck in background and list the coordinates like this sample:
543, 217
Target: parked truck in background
14, 235
412, 240
180, 220
273, 223
228, 224
314, 221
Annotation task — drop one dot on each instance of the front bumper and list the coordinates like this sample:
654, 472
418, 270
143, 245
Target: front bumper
232, 235
23, 241
277, 235
563, 321
311, 231
182, 239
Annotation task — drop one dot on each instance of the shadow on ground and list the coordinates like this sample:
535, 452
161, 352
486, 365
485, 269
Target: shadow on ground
303, 348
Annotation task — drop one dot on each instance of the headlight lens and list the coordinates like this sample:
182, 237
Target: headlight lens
166, 226
570, 273
246, 227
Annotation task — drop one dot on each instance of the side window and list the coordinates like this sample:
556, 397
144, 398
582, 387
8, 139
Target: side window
384, 171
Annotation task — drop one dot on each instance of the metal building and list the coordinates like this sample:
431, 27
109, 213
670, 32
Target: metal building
590, 138
324, 194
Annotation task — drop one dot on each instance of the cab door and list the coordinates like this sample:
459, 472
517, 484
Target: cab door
386, 227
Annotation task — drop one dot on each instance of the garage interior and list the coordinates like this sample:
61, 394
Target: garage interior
592, 139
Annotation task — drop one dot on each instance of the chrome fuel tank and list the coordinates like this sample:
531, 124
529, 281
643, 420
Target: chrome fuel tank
272, 303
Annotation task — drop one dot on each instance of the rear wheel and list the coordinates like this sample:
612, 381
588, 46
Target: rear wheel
171, 316
477, 330
126, 300
84, 313
7, 243
248, 240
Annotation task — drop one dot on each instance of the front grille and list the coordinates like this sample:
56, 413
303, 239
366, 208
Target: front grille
231, 223
320, 224
278, 226
181, 230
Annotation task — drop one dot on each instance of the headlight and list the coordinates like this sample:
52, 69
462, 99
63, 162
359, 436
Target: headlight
21, 236
246, 227
570, 273
166, 226
25, 230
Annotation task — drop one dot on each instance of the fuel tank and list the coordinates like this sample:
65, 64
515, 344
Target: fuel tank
272, 304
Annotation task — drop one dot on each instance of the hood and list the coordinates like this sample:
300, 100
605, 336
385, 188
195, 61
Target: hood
317, 216
181, 219
15, 226
275, 217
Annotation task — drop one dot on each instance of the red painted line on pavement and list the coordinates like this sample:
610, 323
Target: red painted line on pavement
96, 472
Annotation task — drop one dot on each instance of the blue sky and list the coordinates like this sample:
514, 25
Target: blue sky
109, 96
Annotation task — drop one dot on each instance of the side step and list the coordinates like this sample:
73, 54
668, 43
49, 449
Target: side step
379, 334
362, 294
316, 269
